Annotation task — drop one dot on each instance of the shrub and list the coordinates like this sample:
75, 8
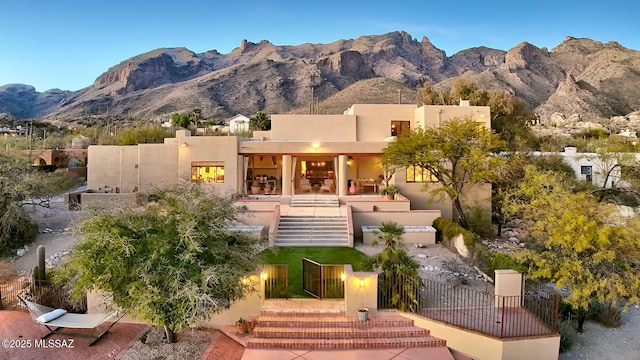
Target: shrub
505, 261
566, 335
607, 314
448, 229
479, 220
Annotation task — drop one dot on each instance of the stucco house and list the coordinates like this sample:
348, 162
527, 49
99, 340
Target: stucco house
301, 154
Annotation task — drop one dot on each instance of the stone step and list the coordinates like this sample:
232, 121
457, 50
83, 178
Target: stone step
324, 320
338, 333
344, 344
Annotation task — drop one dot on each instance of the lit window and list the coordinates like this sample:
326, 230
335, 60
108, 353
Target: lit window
416, 174
207, 171
398, 127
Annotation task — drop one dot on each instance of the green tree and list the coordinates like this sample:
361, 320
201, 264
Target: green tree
260, 121
457, 154
23, 186
577, 243
180, 120
173, 263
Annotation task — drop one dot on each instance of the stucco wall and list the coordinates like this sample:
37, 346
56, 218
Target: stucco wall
481, 347
404, 218
108, 164
435, 115
374, 120
313, 127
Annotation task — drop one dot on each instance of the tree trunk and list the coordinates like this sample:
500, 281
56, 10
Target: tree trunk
171, 336
581, 314
462, 219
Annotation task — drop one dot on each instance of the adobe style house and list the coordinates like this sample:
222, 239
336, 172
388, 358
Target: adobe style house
300, 155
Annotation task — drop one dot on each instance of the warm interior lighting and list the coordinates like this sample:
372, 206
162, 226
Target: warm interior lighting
362, 282
245, 281
343, 277
315, 145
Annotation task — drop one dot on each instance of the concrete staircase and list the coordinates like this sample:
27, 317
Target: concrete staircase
321, 330
312, 230
315, 201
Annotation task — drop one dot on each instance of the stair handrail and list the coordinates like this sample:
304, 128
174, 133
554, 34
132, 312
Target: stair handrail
350, 226
273, 227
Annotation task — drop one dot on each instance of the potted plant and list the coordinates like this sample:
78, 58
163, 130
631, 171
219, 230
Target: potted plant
255, 187
267, 189
242, 326
363, 314
388, 192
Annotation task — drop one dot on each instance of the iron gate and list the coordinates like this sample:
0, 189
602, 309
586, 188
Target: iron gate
322, 281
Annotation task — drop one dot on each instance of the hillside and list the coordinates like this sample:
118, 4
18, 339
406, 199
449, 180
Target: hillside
580, 77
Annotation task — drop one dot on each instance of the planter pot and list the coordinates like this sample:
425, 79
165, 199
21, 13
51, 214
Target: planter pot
267, 191
388, 197
353, 189
242, 327
255, 189
363, 314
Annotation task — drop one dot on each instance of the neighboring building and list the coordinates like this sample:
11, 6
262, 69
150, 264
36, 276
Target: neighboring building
73, 161
238, 124
297, 155
590, 167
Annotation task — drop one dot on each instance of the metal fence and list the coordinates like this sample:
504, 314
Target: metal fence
276, 281
43, 292
531, 314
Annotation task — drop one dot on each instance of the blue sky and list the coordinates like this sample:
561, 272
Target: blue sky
67, 44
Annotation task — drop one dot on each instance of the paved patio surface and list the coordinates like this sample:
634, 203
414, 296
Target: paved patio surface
20, 337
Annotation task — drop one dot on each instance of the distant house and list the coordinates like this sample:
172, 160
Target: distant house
238, 124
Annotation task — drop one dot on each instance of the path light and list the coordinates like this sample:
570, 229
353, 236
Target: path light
244, 281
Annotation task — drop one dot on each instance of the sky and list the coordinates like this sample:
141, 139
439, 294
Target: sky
67, 44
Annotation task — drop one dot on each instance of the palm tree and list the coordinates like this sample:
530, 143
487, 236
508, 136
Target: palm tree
390, 235
399, 280
195, 116
260, 121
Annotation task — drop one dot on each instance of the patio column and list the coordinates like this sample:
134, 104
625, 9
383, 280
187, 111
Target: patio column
342, 174
286, 175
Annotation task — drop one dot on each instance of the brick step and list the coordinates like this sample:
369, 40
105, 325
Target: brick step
330, 320
338, 332
343, 344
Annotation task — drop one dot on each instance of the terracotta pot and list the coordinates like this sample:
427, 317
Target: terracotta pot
255, 189
353, 189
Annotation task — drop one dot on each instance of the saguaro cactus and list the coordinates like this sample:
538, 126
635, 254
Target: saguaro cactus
42, 276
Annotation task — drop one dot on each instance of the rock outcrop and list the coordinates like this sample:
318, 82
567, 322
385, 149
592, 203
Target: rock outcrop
578, 77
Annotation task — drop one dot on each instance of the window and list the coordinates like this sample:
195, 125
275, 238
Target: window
207, 171
586, 170
398, 127
416, 174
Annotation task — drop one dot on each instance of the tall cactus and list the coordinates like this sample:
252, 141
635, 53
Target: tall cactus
42, 276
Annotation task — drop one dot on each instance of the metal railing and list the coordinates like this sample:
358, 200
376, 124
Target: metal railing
531, 314
276, 281
41, 292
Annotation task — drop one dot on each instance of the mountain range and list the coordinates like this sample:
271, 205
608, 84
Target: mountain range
582, 77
